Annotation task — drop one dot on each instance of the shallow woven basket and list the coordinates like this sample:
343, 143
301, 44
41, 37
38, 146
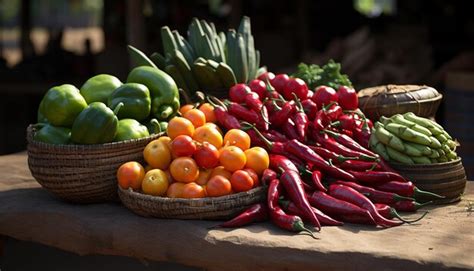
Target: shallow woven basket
389, 100
447, 179
205, 208
82, 173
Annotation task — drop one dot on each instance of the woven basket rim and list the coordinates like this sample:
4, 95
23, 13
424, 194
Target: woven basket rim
31, 130
208, 200
431, 100
458, 160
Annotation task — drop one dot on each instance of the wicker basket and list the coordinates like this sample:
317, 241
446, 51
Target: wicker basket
82, 173
398, 99
447, 179
206, 208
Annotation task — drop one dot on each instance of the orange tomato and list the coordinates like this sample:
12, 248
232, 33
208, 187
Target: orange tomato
241, 181
184, 169
208, 111
204, 176
175, 190
206, 133
170, 178
183, 145
218, 186
130, 174
196, 116
239, 138
157, 154
257, 159
232, 158
254, 175
221, 171
179, 126
193, 190
155, 183
214, 126
185, 108
165, 139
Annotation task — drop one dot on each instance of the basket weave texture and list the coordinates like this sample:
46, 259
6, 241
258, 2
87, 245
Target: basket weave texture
82, 173
447, 179
212, 208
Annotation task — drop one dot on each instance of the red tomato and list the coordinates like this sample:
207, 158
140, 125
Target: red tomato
238, 92
207, 155
183, 145
297, 86
266, 75
253, 175
324, 95
241, 181
279, 82
259, 87
347, 98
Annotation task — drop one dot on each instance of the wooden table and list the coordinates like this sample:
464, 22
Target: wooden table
444, 240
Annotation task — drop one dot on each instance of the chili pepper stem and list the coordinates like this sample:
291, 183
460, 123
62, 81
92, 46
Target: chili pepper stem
301, 228
397, 197
264, 139
417, 193
397, 215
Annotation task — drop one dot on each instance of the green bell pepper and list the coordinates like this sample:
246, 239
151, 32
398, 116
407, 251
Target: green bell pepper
163, 125
61, 105
96, 124
153, 126
51, 134
130, 129
135, 98
40, 117
99, 88
163, 90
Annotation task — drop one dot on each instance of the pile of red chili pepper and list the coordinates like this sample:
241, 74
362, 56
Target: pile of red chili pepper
321, 169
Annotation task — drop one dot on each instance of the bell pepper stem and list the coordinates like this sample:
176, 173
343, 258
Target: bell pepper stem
156, 124
166, 111
117, 108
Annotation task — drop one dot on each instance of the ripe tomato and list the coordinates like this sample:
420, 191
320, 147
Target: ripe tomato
209, 134
157, 154
155, 183
347, 98
221, 171
184, 169
279, 82
196, 117
183, 145
218, 186
208, 111
130, 174
259, 87
324, 95
179, 126
241, 181
257, 159
232, 158
238, 92
175, 190
239, 138
185, 108
254, 175
204, 176
206, 156
193, 190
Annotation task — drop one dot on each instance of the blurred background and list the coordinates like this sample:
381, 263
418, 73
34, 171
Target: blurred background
51, 42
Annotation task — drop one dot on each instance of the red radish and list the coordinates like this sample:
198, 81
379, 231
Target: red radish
324, 95
183, 145
206, 156
279, 82
347, 98
238, 92
297, 86
259, 87
266, 75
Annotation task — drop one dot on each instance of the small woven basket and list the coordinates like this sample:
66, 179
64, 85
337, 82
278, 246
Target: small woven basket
212, 208
446, 179
82, 173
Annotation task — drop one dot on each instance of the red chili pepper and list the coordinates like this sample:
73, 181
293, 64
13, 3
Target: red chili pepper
390, 213
293, 185
289, 129
280, 161
307, 154
301, 120
295, 86
324, 95
238, 92
349, 143
385, 166
340, 209
270, 92
268, 175
316, 179
259, 87
362, 134
377, 176
274, 136
225, 119
329, 155
374, 195
278, 118
351, 195
322, 217
257, 138
255, 213
407, 189
253, 102
359, 165
241, 112
331, 144
271, 106
334, 112
409, 205
345, 121
321, 121
262, 119
347, 132
347, 98
278, 216
310, 108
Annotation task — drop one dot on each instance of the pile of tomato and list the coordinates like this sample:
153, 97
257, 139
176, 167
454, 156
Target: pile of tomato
196, 159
